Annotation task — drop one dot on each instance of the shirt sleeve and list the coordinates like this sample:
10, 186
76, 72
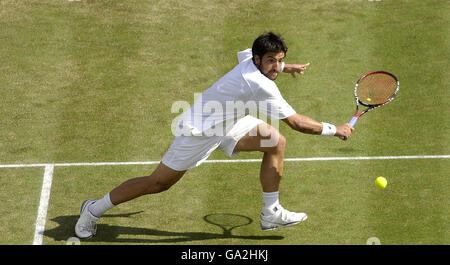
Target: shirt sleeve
272, 104
244, 55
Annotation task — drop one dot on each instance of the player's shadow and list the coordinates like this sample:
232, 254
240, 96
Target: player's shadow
122, 234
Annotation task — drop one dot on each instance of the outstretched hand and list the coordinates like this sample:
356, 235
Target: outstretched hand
295, 68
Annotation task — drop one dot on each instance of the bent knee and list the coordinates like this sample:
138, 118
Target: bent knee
158, 183
275, 143
160, 187
153, 187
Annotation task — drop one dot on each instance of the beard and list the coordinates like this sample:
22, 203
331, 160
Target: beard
271, 74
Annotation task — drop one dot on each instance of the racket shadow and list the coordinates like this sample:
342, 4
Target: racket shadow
228, 221
113, 234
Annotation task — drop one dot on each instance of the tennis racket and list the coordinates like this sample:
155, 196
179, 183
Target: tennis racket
374, 90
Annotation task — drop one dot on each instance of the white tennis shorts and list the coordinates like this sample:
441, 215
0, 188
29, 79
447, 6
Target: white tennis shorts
187, 152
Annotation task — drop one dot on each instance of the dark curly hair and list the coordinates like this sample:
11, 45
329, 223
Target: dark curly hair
268, 42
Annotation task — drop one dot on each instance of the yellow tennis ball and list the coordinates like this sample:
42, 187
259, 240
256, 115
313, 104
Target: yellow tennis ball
369, 99
381, 182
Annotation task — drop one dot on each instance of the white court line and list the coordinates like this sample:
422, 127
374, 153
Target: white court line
43, 205
335, 158
233, 161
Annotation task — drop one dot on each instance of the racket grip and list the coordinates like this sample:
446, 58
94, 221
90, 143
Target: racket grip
352, 122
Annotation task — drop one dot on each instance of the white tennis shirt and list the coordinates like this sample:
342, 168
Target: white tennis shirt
242, 91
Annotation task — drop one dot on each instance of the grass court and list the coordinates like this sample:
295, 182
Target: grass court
94, 81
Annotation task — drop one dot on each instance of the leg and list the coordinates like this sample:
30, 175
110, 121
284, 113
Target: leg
273, 215
91, 210
273, 159
160, 180
184, 153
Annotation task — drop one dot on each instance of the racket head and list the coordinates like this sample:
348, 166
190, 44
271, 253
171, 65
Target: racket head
376, 88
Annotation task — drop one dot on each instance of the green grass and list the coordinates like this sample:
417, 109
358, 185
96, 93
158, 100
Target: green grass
20, 191
343, 204
94, 81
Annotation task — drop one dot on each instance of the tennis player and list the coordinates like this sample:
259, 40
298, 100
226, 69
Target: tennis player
251, 83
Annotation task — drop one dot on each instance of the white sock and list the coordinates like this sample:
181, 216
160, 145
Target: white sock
99, 207
270, 200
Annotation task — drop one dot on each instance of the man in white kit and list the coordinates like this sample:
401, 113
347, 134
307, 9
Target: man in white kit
212, 124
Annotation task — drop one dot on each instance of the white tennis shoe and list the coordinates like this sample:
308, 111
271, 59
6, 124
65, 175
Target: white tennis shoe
280, 218
86, 226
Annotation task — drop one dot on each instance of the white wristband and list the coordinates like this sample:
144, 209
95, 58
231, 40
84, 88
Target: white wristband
282, 67
328, 129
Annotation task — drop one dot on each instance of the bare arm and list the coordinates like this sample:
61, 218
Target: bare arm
305, 124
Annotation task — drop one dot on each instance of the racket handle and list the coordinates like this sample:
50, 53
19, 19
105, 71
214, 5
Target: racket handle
352, 122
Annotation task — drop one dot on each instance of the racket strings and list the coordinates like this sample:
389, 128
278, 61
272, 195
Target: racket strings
376, 89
